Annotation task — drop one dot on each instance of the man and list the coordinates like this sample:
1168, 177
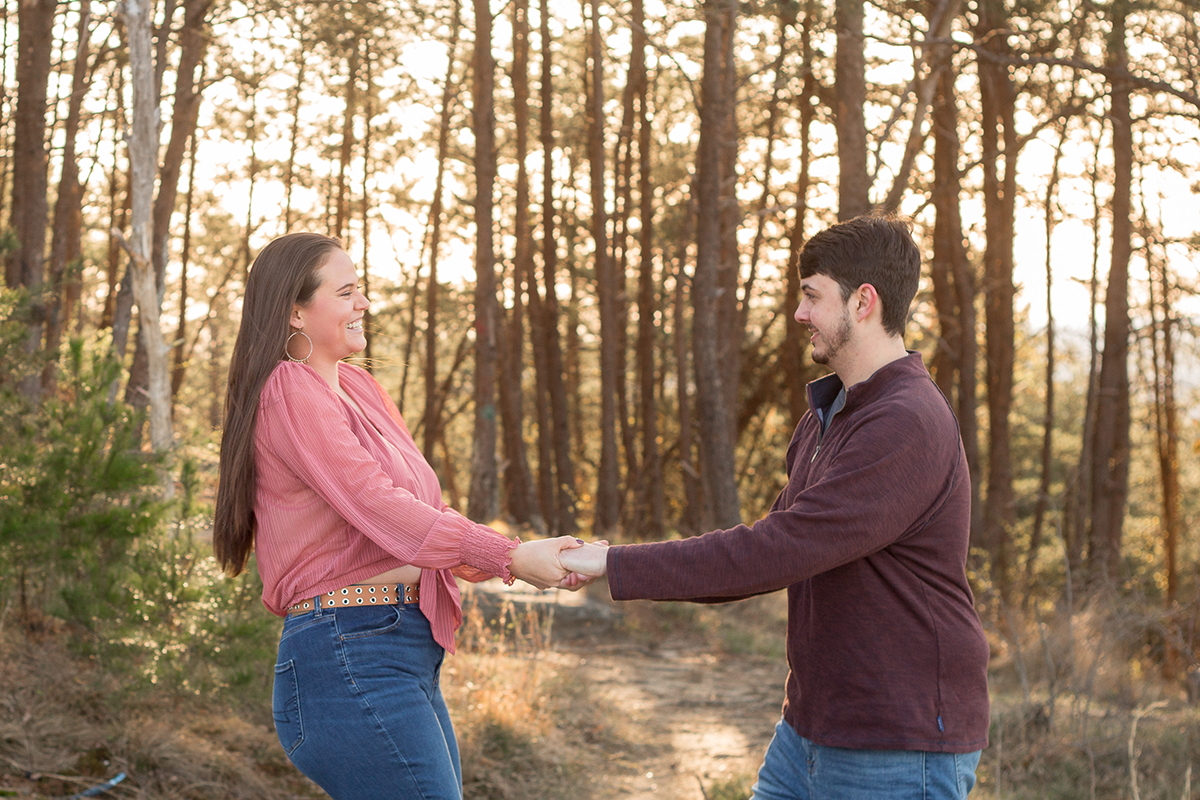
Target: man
887, 691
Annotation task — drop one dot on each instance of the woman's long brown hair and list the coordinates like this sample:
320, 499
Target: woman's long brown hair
285, 274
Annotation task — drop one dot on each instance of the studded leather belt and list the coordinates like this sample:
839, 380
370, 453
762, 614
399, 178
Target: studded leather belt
362, 594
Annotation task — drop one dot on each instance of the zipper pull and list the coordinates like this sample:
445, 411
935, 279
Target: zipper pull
941, 727
814, 455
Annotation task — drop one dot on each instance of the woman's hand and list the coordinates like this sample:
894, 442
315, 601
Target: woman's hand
537, 562
589, 559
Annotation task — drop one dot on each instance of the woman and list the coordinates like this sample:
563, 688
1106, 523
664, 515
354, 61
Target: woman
353, 542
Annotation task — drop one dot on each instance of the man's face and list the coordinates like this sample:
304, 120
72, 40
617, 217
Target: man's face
827, 316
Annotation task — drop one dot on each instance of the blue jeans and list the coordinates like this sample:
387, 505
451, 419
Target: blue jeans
798, 769
358, 708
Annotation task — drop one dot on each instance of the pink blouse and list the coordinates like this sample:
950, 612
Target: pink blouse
342, 497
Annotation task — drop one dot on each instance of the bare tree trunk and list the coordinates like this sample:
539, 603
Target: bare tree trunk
6, 159
998, 100
368, 115
1079, 497
786, 18
951, 266
850, 85
1043, 497
289, 180
608, 497
1166, 415
731, 333
143, 149
1110, 455
193, 41
65, 240
652, 497
432, 422
25, 265
117, 217
623, 192
182, 354
792, 347
560, 413
518, 479
343, 203
483, 501
715, 417
695, 515
942, 14
571, 358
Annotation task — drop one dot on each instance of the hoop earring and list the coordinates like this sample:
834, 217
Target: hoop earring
289, 341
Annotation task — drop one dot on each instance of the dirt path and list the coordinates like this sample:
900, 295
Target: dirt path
696, 718
683, 715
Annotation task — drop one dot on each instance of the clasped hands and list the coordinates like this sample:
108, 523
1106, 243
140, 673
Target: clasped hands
564, 562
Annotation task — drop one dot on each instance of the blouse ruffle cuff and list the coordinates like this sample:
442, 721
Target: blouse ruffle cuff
488, 551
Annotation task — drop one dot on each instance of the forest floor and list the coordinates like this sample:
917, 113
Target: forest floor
554, 696
692, 692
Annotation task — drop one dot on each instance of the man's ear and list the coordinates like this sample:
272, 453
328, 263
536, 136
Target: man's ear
865, 302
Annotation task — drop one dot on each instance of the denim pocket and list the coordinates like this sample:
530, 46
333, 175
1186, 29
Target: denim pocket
361, 622
285, 707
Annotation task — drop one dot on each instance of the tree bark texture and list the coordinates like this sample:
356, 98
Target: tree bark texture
998, 99
608, 497
1110, 454
26, 265
518, 478
143, 162
652, 498
432, 421
66, 236
564, 468
791, 349
483, 501
954, 280
714, 417
850, 86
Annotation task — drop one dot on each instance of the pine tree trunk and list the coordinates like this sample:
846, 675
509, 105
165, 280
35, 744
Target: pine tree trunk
958, 323
715, 417
1043, 496
432, 422
564, 467
65, 239
289, 179
342, 221
183, 354
608, 498
998, 98
1110, 454
653, 500
483, 499
792, 347
25, 265
522, 502
850, 86
368, 115
695, 513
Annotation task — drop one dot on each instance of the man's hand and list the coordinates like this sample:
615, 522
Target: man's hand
589, 559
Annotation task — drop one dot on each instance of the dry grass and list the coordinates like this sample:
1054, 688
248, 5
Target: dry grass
526, 729
1081, 708
65, 725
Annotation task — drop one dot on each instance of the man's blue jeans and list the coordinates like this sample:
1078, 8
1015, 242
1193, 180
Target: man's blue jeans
797, 769
358, 708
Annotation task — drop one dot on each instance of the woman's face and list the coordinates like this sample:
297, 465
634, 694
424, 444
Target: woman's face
333, 319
